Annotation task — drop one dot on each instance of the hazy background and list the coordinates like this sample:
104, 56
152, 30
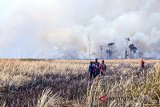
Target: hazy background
61, 28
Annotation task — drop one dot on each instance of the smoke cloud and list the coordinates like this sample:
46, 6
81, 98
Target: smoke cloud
62, 29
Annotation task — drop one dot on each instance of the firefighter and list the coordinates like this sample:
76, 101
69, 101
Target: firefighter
103, 68
91, 69
96, 61
142, 63
97, 69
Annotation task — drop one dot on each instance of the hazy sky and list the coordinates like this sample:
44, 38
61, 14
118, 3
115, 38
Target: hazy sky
61, 28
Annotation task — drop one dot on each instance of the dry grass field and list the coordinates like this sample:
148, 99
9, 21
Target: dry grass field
63, 83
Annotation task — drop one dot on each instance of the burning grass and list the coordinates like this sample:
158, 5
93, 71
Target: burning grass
40, 83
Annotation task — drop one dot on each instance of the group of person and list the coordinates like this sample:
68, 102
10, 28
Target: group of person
96, 68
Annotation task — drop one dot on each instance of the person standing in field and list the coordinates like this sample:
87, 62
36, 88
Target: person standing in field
142, 63
97, 69
103, 68
96, 61
91, 69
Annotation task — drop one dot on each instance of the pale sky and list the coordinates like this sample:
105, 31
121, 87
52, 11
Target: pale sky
60, 28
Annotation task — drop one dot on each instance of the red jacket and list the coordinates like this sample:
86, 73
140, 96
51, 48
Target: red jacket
142, 63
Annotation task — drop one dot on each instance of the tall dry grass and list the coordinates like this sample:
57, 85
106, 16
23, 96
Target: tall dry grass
28, 83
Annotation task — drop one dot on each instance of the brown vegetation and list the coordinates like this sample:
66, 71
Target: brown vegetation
49, 83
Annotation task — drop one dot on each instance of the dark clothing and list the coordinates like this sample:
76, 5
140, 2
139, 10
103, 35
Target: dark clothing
96, 63
97, 71
92, 75
91, 70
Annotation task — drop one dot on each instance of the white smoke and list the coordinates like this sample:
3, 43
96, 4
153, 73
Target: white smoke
60, 28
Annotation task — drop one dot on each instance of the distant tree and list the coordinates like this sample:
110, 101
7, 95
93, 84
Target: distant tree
110, 50
133, 49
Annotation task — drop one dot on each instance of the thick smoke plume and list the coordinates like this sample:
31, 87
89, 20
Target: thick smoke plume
64, 28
